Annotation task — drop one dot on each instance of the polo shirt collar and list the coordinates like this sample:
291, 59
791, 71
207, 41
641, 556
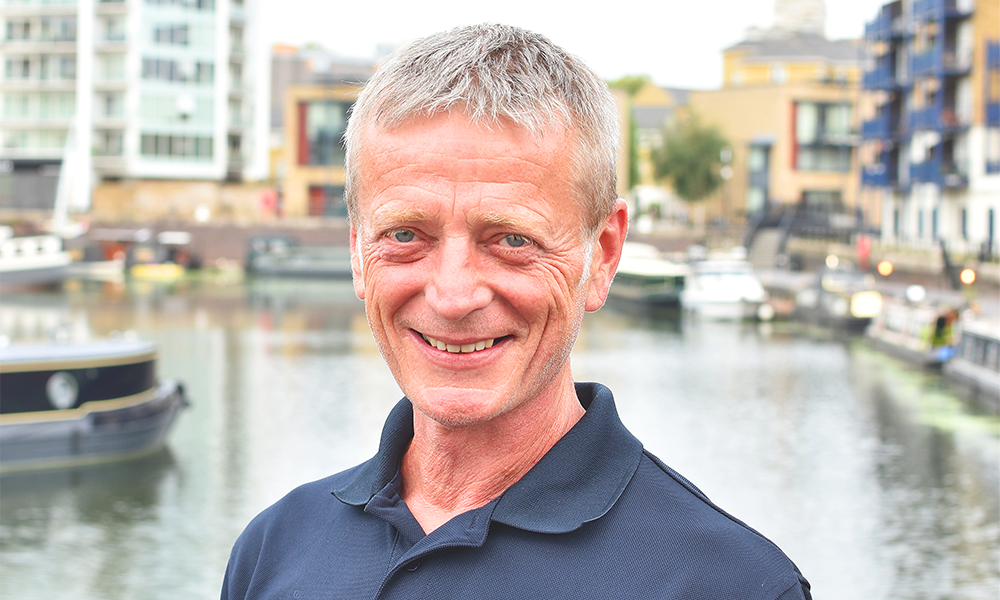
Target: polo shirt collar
578, 480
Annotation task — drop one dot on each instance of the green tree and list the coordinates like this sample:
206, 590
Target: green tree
691, 158
630, 83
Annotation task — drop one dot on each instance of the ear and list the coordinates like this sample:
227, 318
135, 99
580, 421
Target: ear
359, 282
607, 253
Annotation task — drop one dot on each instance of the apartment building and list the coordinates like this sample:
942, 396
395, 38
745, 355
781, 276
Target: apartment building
788, 109
128, 89
932, 137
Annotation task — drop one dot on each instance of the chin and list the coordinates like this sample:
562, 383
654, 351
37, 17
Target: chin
460, 407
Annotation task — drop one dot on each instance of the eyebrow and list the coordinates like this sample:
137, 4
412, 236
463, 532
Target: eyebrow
384, 218
514, 223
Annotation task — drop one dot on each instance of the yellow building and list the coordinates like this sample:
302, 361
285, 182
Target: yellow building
315, 120
788, 111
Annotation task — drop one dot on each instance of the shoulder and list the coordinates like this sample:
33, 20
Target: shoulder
706, 543
290, 514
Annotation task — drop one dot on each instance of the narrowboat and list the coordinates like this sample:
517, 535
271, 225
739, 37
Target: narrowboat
65, 404
974, 371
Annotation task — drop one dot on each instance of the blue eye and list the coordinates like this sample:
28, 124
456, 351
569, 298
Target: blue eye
402, 235
516, 241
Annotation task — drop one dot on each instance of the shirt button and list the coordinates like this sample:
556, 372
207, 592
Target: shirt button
413, 566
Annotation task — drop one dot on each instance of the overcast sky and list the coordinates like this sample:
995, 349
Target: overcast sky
678, 43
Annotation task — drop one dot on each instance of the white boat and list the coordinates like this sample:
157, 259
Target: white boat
32, 260
725, 289
974, 370
645, 277
66, 404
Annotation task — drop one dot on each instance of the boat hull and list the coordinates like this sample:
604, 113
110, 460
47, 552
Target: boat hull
95, 432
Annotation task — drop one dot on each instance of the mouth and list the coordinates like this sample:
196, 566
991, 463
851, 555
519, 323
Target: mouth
459, 349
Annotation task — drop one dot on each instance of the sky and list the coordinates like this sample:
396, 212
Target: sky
678, 43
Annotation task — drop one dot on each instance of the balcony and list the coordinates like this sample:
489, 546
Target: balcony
877, 129
937, 172
936, 10
926, 63
993, 114
882, 78
925, 119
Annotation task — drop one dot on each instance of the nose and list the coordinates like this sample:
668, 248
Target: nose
458, 286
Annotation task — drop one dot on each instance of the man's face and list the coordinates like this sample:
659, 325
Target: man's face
469, 252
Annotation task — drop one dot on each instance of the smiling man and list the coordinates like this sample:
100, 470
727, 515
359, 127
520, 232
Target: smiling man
484, 225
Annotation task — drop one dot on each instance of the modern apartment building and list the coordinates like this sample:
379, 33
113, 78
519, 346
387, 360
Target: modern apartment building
128, 89
932, 138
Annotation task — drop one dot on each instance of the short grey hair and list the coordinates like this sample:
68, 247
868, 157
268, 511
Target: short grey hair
495, 74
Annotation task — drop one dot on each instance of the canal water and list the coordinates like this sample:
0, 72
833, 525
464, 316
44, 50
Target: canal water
877, 481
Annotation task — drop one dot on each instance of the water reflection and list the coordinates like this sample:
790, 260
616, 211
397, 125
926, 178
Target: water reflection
876, 480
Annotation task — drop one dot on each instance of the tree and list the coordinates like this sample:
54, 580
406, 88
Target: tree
691, 158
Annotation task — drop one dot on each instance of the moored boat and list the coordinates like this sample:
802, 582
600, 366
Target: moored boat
919, 333
63, 404
32, 260
725, 289
839, 299
645, 277
974, 371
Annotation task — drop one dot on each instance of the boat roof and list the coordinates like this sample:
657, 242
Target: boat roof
37, 356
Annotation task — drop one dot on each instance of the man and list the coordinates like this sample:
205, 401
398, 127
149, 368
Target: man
484, 224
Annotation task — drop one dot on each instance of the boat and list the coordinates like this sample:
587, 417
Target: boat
283, 256
645, 277
839, 298
974, 371
66, 404
922, 334
32, 260
725, 289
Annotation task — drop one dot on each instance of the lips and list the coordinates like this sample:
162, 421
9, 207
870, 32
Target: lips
456, 348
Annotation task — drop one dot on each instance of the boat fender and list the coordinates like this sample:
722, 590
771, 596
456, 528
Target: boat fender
62, 390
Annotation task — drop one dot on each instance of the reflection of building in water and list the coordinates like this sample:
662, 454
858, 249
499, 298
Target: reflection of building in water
40, 321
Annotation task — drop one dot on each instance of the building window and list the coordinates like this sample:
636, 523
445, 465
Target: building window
934, 224
327, 201
895, 222
920, 224
18, 30
321, 129
198, 148
965, 224
174, 70
779, 74
108, 142
176, 35
822, 137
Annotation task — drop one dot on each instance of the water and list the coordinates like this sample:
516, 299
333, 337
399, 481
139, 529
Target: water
872, 477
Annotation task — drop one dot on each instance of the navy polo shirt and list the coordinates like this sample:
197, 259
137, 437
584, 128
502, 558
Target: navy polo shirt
596, 517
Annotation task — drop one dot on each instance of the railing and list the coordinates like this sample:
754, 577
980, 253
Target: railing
877, 128
993, 56
882, 78
925, 64
928, 118
993, 114
936, 171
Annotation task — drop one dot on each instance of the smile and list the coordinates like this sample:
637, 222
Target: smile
456, 349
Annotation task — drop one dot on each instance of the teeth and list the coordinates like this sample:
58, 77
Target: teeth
458, 349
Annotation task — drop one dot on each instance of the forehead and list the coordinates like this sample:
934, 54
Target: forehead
440, 154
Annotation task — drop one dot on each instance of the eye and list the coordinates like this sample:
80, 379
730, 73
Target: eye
402, 235
515, 240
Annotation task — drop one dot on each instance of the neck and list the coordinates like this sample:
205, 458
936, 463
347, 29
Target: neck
447, 471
